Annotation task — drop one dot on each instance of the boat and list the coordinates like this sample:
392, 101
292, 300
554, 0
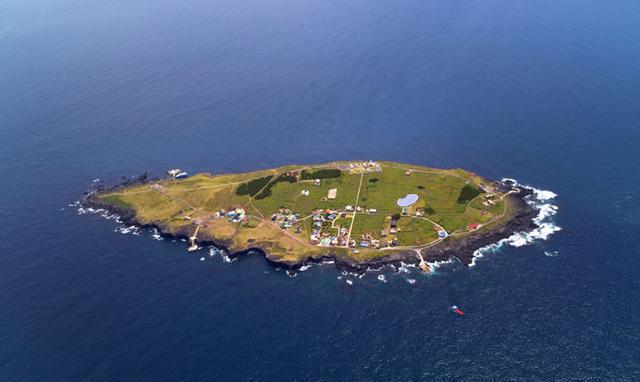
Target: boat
177, 173
456, 310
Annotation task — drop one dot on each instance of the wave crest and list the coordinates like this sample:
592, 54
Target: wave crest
541, 201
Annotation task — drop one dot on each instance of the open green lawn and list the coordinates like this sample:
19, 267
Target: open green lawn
371, 224
288, 195
414, 231
438, 191
498, 208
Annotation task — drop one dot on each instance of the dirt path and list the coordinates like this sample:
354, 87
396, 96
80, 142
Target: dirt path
160, 189
355, 209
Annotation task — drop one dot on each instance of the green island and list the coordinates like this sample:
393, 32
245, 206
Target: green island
354, 211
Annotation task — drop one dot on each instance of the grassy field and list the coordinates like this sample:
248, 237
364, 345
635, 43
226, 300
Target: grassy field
447, 199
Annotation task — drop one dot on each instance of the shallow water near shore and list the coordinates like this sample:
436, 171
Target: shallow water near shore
545, 93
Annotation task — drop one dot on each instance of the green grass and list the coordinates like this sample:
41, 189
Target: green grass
451, 220
415, 231
288, 195
365, 223
266, 191
498, 208
117, 200
438, 191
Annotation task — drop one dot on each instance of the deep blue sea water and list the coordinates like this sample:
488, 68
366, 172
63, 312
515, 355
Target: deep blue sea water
547, 92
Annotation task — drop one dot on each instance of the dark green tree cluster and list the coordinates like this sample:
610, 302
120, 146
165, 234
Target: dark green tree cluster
321, 174
253, 186
266, 192
467, 193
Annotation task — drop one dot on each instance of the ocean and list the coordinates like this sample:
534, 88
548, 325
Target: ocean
544, 92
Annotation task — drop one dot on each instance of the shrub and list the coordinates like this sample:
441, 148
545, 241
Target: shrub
428, 210
467, 193
286, 178
264, 194
253, 186
373, 180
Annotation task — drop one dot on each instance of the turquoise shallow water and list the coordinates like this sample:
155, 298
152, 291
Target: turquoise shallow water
543, 92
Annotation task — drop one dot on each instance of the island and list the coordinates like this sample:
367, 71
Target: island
356, 214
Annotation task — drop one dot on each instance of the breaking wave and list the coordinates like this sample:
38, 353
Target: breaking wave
540, 200
126, 230
437, 264
405, 268
226, 258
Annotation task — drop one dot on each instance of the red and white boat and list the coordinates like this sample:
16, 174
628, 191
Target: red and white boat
456, 310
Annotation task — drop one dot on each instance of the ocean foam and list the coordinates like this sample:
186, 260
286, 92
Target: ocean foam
125, 230
437, 264
404, 268
539, 200
227, 259
155, 234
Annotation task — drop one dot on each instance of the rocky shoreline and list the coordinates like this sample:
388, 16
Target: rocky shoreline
462, 248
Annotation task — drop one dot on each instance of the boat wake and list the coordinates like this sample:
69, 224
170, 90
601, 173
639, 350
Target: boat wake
540, 200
